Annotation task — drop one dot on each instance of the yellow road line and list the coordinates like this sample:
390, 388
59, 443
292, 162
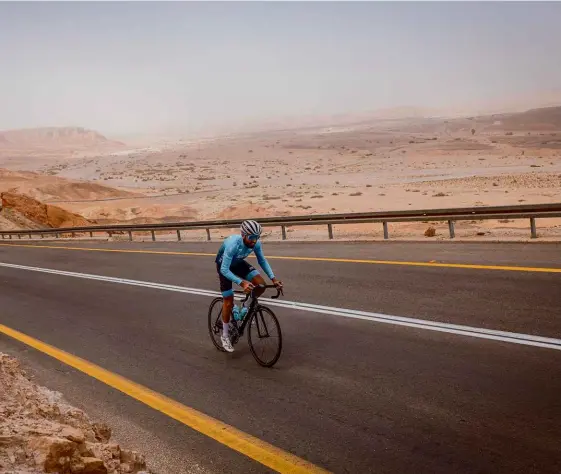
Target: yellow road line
254, 448
311, 259
426, 264
64, 247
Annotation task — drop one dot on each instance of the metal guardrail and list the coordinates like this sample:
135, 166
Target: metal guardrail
531, 212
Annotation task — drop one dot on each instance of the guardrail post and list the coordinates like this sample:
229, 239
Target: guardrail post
208, 234
42, 236
130, 235
91, 234
534, 233
153, 236
73, 234
178, 235
29, 235
19, 236
10, 236
109, 234
386, 233
57, 235
330, 231
451, 229
3, 236
283, 229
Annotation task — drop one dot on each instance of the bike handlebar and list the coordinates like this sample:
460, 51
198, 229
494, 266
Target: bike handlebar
247, 295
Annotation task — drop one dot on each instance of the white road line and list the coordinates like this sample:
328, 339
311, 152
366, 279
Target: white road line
482, 333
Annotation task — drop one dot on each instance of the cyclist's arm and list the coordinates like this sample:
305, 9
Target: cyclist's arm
225, 266
263, 263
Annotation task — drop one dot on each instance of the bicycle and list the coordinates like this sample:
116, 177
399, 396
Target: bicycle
255, 319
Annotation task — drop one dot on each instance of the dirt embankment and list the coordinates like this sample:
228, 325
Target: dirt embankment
23, 212
45, 187
39, 432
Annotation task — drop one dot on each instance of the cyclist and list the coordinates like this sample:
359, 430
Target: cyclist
232, 268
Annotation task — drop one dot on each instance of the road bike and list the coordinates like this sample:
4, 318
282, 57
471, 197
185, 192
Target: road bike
264, 330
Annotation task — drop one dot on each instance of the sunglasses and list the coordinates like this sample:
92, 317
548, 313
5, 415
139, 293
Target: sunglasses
252, 238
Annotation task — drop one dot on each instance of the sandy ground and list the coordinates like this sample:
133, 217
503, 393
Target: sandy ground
382, 165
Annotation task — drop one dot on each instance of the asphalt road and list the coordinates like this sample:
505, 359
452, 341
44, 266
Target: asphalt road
347, 395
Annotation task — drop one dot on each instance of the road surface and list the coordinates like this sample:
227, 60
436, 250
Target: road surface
348, 395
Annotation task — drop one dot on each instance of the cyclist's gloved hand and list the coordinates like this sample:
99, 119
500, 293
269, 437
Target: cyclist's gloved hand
247, 286
277, 283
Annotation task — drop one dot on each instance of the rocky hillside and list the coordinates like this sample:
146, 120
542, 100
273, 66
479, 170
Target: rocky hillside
23, 212
40, 433
53, 188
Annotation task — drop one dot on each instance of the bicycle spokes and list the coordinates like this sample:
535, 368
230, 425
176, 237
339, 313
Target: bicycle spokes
262, 330
218, 324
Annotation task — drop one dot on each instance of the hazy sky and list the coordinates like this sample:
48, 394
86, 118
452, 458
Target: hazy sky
124, 67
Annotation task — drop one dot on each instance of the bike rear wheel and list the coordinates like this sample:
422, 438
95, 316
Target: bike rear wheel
215, 322
264, 336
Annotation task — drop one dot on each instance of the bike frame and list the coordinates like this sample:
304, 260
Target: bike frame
253, 305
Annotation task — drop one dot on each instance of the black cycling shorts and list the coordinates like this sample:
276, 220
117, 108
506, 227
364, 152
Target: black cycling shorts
241, 269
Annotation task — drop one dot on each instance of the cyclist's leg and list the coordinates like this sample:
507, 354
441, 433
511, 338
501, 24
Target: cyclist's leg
227, 305
228, 299
255, 277
239, 269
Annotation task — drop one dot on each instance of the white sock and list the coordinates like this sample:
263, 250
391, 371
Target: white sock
225, 327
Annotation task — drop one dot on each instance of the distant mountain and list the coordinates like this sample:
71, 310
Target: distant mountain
55, 138
547, 118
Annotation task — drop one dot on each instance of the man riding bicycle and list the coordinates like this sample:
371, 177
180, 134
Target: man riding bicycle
232, 268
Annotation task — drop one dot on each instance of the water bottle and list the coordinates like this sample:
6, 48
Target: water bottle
236, 313
243, 313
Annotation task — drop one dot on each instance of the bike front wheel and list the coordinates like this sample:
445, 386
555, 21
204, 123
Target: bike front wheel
264, 337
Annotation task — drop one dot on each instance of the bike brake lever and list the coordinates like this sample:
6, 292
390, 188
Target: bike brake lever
279, 292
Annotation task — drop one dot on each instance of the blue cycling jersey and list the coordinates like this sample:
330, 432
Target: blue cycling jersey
234, 250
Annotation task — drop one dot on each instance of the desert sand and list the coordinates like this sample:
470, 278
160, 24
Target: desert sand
374, 165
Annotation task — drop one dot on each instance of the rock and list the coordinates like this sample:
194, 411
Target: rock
93, 466
126, 468
430, 232
77, 466
19, 456
115, 450
133, 460
102, 432
10, 440
86, 449
39, 432
52, 453
73, 434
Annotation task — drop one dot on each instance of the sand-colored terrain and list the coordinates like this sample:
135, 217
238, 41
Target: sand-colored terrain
407, 163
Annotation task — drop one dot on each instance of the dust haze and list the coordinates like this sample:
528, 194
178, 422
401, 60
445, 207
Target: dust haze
154, 112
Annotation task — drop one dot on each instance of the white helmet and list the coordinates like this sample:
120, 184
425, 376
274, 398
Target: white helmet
251, 228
